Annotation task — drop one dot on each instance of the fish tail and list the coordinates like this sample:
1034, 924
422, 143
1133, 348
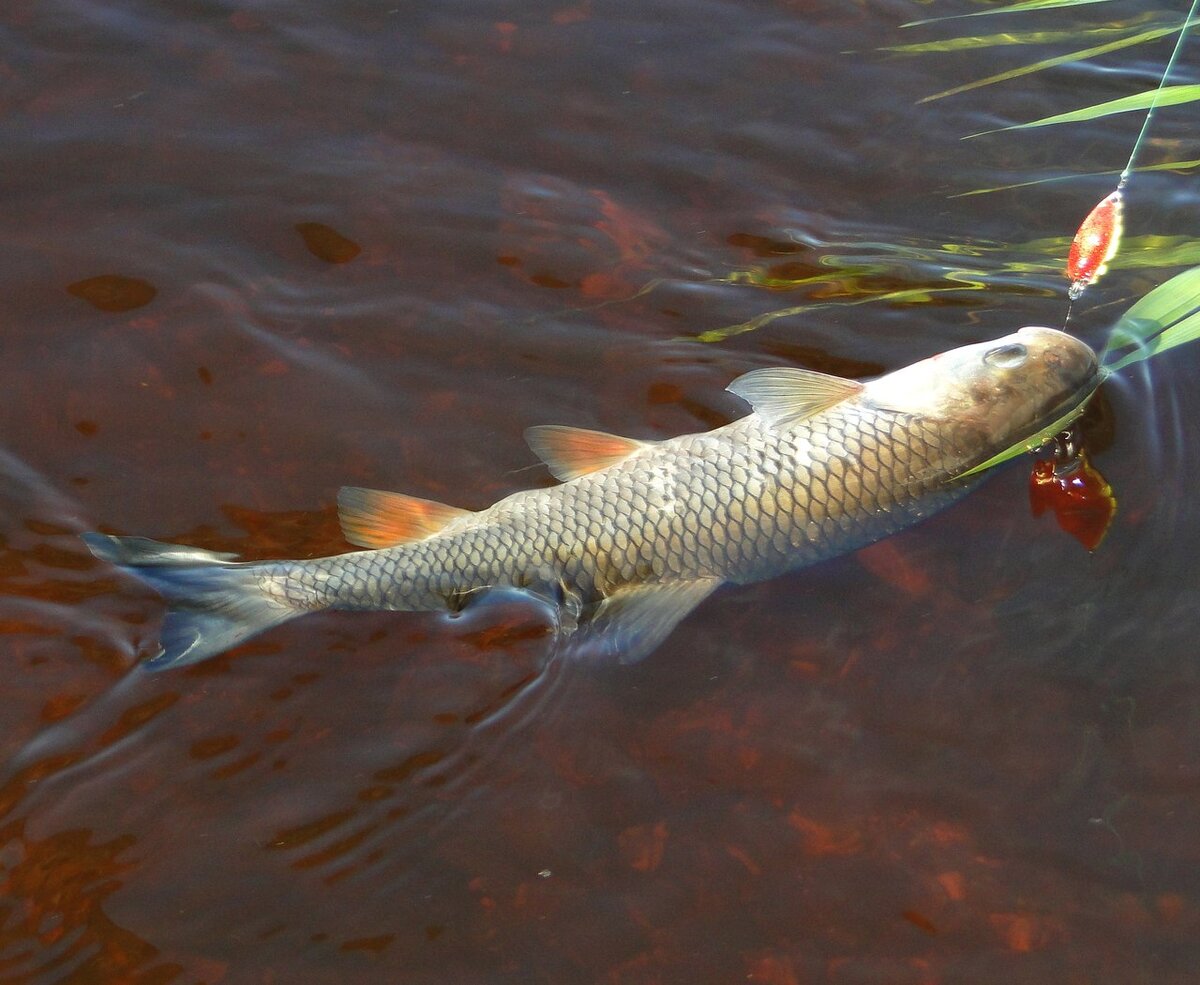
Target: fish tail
215, 603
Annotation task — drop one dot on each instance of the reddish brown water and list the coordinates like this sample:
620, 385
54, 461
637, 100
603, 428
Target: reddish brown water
257, 251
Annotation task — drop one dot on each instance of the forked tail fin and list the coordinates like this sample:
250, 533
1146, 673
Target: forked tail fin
215, 602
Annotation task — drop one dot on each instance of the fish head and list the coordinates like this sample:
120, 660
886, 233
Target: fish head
1006, 390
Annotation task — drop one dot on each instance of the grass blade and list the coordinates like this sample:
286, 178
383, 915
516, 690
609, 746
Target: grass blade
1167, 96
1162, 307
1012, 38
1163, 319
1074, 56
1187, 330
1010, 9
1165, 166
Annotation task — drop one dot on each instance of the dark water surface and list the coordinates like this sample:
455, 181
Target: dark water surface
254, 251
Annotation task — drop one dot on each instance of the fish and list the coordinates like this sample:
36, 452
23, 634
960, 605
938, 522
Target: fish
640, 532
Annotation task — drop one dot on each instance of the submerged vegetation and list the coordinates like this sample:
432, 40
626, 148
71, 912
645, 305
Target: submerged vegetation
1124, 33
946, 273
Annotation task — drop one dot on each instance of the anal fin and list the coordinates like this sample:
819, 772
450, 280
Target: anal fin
375, 519
631, 623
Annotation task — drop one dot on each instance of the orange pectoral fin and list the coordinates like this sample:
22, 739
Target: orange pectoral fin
375, 519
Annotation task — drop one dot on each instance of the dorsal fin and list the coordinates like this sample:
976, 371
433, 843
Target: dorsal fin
572, 452
784, 395
371, 518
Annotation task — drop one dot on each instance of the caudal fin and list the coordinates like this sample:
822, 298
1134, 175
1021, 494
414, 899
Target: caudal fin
215, 602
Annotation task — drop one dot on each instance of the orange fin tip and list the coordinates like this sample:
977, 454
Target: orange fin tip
571, 452
375, 519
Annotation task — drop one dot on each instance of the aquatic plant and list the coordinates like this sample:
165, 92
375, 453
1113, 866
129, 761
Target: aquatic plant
870, 273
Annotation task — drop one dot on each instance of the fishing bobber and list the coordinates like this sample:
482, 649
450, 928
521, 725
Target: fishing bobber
1095, 244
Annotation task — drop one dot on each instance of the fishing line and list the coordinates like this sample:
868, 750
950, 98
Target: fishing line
1187, 23
1099, 236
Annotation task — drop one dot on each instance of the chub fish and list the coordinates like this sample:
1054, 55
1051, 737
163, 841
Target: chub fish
640, 532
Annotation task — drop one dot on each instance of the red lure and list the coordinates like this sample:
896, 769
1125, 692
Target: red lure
1095, 244
1081, 498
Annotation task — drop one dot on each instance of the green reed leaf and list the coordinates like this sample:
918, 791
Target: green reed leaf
1166, 96
1165, 166
1187, 330
1166, 317
1164, 305
1010, 9
911, 295
1012, 38
1074, 56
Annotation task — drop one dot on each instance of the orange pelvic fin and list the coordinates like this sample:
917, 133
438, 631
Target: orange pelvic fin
572, 452
375, 519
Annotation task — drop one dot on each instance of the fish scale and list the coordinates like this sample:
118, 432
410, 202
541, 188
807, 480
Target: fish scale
639, 533
799, 500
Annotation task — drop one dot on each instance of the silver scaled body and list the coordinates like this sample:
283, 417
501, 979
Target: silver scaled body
641, 532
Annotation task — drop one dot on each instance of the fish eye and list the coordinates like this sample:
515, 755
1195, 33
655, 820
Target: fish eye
1006, 356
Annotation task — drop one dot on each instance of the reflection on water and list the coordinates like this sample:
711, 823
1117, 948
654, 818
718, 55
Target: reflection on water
113, 293
56, 926
256, 254
328, 244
